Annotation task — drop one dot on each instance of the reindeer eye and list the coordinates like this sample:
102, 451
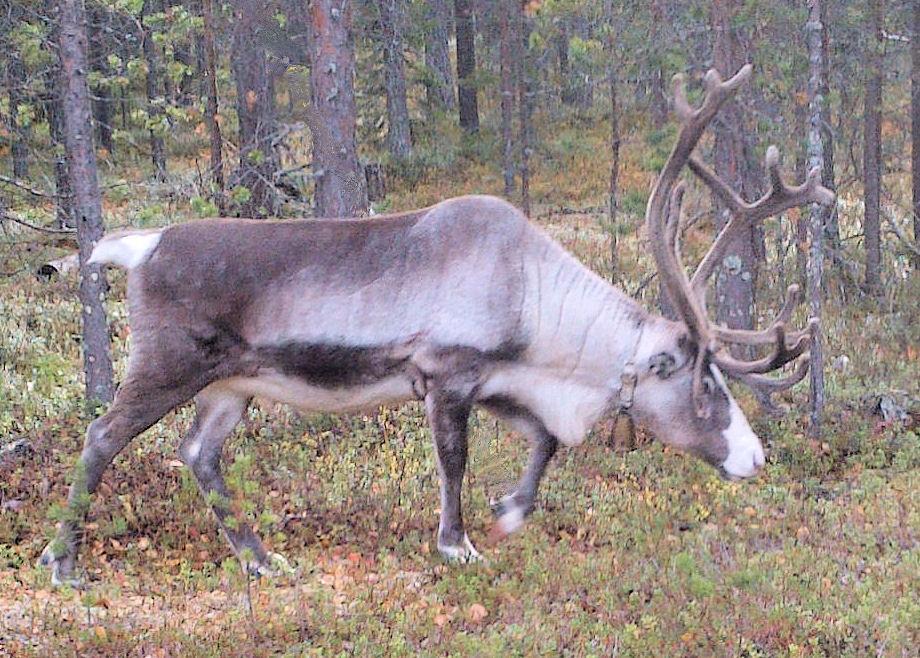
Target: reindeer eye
662, 365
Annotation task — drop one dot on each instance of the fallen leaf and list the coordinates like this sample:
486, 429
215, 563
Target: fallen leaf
477, 612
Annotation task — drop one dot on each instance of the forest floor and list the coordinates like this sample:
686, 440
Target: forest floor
635, 553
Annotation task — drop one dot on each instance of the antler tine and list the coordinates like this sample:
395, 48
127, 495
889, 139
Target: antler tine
781, 355
689, 294
717, 91
780, 198
672, 224
663, 211
767, 385
682, 106
765, 336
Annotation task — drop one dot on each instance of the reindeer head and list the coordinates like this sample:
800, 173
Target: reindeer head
680, 387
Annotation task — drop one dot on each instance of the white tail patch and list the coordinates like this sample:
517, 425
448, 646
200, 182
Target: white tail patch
127, 250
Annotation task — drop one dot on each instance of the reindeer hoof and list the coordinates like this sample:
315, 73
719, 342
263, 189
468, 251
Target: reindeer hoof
462, 553
509, 518
275, 565
62, 567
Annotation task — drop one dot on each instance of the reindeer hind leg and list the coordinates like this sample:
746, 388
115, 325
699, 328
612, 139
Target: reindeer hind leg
218, 412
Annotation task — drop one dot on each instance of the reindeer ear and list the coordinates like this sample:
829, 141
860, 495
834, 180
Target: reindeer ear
662, 364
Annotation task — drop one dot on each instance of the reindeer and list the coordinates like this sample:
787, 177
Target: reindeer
462, 304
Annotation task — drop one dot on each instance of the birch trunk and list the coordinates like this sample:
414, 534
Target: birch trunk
818, 213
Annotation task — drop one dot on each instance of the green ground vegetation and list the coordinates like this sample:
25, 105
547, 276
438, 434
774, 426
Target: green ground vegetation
639, 553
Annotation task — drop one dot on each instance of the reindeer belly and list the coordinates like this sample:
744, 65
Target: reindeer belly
328, 376
308, 396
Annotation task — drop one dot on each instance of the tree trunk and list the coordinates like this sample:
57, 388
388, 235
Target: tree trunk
440, 83
19, 148
62, 186
615, 142
915, 124
659, 93
507, 56
525, 108
872, 150
209, 91
181, 92
583, 78
736, 279
818, 213
566, 93
255, 106
102, 103
399, 139
16, 81
828, 175
78, 133
340, 186
155, 98
466, 65
53, 81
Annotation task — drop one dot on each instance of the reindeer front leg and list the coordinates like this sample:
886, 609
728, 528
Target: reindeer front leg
511, 510
448, 414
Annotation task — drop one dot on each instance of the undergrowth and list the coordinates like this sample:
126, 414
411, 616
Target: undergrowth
643, 553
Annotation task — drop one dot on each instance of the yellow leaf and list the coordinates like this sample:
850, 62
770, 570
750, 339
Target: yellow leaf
100, 633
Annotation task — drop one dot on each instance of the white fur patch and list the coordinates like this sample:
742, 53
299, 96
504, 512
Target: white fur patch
745, 453
512, 520
192, 450
566, 406
464, 552
127, 250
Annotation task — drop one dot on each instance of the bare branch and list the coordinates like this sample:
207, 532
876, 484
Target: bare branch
19, 185
899, 233
5, 216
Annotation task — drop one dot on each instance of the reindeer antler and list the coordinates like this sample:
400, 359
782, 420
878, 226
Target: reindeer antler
689, 295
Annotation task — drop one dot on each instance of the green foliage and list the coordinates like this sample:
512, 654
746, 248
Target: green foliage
240, 194
203, 207
633, 202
